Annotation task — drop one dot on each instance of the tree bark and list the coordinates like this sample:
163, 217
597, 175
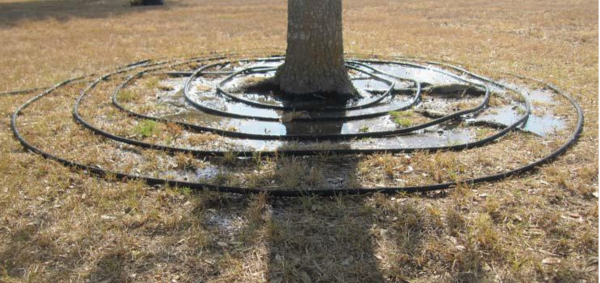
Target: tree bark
314, 60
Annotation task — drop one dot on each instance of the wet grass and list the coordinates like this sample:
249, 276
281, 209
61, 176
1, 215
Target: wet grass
402, 119
146, 128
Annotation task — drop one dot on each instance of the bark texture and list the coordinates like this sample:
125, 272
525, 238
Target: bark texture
314, 60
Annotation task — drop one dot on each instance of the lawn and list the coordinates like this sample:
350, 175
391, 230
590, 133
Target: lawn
64, 225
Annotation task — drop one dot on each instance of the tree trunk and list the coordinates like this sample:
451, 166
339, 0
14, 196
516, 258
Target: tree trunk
314, 60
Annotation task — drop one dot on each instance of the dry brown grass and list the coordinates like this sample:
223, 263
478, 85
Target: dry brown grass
61, 225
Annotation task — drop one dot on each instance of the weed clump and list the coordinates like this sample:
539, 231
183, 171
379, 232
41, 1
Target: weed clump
128, 95
290, 173
229, 158
402, 118
146, 128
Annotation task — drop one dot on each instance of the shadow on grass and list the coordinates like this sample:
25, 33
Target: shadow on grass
316, 240
12, 13
110, 268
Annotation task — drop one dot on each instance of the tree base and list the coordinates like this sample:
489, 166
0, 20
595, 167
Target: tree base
317, 99
331, 84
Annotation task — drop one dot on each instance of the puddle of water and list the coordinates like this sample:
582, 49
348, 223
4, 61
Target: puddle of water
195, 117
207, 97
243, 109
262, 63
544, 125
541, 125
542, 95
421, 75
426, 139
362, 82
505, 115
310, 128
371, 84
290, 128
259, 127
181, 111
211, 100
256, 145
369, 125
540, 122
421, 139
449, 104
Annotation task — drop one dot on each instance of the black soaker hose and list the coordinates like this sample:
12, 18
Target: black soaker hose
200, 153
291, 193
367, 104
293, 137
312, 118
346, 117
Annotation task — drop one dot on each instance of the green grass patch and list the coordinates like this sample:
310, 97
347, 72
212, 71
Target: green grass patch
128, 96
152, 83
402, 118
146, 128
481, 133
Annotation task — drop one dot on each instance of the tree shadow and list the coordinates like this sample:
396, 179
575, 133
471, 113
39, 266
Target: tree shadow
305, 239
12, 13
110, 268
321, 240
316, 239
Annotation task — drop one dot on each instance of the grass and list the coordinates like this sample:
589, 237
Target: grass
229, 158
152, 83
482, 133
146, 128
402, 119
128, 96
289, 173
186, 161
62, 225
